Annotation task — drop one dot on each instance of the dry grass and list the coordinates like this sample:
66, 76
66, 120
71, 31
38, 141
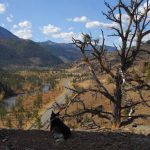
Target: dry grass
92, 101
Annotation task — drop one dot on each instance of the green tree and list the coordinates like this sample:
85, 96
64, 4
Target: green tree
3, 111
38, 122
38, 101
19, 112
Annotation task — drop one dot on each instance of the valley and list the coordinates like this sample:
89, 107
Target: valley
75, 75
28, 93
35, 90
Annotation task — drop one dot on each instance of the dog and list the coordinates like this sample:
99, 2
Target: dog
59, 130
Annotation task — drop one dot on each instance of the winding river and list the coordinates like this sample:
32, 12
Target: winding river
9, 102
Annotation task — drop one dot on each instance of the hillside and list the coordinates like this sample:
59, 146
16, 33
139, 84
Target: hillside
148, 42
25, 53
65, 51
18, 52
5, 34
82, 79
42, 140
5, 91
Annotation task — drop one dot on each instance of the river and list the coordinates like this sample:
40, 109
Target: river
9, 102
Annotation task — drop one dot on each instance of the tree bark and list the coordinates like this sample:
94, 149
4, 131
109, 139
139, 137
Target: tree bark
116, 105
116, 111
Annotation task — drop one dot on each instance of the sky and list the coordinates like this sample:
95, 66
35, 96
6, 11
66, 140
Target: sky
55, 20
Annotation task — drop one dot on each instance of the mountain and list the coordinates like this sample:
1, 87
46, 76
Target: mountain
25, 53
110, 48
65, 51
18, 52
5, 34
147, 42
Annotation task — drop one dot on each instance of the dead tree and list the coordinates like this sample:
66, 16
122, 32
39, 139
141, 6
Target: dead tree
131, 35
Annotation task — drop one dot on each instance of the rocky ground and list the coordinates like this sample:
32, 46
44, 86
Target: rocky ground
80, 140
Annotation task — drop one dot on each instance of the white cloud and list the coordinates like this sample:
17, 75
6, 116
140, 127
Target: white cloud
10, 18
78, 36
125, 17
79, 19
25, 24
23, 30
146, 38
70, 28
23, 33
3, 25
143, 8
67, 36
55, 32
15, 26
97, 24
92, 24
49, 29
2, 8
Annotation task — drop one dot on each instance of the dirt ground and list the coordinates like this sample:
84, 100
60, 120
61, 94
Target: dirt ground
42, 140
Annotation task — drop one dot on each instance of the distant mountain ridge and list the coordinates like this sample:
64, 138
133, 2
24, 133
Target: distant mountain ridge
147, 42
65, 51
19, 52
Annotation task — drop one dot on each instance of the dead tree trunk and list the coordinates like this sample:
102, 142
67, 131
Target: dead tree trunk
116, 111
131, 32
116, 105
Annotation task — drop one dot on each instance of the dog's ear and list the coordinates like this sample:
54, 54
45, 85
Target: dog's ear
53, 114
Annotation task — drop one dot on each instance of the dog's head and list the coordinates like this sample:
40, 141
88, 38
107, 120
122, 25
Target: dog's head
53, 115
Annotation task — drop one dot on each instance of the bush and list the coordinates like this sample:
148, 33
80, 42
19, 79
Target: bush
2, 111
38, 122
38, 100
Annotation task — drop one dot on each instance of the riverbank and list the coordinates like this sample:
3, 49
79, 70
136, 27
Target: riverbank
27, 103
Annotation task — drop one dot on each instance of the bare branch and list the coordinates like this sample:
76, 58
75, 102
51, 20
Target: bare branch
107, 95
101, 114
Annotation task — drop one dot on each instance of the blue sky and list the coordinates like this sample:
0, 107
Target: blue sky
56, 20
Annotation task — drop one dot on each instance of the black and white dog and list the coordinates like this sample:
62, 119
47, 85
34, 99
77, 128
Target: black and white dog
59, 130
